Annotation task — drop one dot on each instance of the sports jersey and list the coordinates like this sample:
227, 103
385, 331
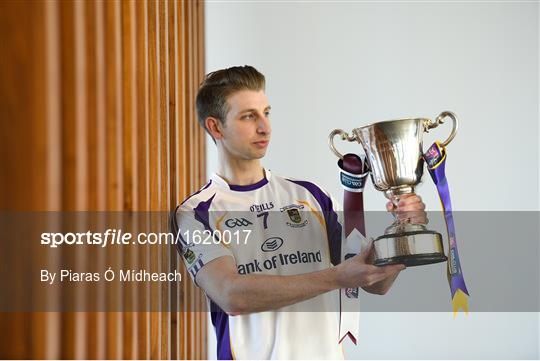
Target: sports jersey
277, 226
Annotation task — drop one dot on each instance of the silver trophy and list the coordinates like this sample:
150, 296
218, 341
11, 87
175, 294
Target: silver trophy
394, 153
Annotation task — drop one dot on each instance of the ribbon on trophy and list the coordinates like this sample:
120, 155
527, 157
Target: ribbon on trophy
353, 176
435, 158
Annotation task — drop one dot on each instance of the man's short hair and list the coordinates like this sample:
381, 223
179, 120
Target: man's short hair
217, 86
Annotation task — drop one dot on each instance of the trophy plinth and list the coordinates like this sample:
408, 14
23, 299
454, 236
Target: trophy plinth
411, 246
394, 152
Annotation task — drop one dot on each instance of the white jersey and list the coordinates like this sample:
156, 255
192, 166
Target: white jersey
277, 226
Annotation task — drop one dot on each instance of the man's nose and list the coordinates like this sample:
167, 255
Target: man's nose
263, 126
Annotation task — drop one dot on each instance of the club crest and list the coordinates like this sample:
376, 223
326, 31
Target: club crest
296, 218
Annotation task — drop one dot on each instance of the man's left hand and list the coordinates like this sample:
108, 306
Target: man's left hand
410, 208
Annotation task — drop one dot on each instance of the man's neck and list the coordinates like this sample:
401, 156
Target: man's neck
240, 172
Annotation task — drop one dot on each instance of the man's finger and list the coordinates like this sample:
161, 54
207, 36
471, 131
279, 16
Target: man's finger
372, 270
392, 269
385, 272
409, 196
376, 277
367, 252
412, 206
412, 199
411, 214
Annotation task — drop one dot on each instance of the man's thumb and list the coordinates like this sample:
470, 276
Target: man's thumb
367, 251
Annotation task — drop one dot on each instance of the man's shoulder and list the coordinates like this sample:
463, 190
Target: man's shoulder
316, 190
309, 185
204, 194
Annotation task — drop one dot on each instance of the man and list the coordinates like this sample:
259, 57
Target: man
284, 237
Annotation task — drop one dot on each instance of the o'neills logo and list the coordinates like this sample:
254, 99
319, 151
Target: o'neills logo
261, 207
279, 260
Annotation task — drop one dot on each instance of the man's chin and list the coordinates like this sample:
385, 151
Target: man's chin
258, 155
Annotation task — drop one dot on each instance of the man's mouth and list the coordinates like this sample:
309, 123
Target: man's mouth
262, 143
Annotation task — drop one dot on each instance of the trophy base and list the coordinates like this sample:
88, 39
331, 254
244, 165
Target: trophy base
414, 248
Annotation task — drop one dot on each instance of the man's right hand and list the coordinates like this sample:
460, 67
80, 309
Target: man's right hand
358, 271
240, 294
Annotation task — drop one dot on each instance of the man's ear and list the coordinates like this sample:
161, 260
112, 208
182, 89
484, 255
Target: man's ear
214, 127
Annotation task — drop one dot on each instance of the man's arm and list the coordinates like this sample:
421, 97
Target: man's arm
240, 294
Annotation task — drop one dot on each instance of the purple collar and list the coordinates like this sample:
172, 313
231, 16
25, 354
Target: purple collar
249, 187
219, 181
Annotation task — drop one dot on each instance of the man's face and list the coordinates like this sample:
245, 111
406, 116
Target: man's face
246, 133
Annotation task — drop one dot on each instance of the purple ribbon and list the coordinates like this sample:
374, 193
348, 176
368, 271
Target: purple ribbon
436, 160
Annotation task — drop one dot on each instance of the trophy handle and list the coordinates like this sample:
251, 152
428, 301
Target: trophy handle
344, 136
429, 124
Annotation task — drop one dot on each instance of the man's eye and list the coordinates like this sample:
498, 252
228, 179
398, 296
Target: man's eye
267, 114
248, 116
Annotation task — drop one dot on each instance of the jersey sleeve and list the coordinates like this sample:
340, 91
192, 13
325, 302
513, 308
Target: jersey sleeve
194, 239
333, 216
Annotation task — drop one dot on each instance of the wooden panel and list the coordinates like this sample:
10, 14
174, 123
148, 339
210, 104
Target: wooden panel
142, 174
164, 167
182, 154
100, 101
98, 200
173, 194
114, 150
95, 132
153, 141
49, 323
129, 159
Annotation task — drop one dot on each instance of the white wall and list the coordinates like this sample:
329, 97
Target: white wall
342, 65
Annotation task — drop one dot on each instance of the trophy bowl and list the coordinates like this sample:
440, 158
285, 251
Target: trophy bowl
394, 153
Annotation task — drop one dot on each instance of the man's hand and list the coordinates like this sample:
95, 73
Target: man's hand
239, 294
358, 271
410, 208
